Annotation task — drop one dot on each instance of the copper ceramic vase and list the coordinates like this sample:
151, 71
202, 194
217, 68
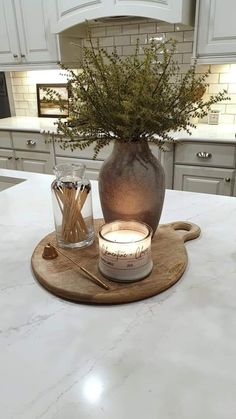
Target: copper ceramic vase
132, 184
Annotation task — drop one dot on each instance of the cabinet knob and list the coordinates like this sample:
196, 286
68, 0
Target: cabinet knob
204, 155
22, 55
9, 158
17, 158
30, 142
227, 179
15, 56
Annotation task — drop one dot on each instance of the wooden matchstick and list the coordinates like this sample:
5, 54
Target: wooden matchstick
89, 274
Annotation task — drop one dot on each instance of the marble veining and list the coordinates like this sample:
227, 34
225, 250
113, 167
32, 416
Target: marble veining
170, 357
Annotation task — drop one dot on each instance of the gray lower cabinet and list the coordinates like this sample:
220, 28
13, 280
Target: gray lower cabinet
92, 166
7, 159
209, 180
205, 167
25, 151
33, 162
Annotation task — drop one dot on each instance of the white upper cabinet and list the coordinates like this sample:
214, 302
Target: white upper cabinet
73, 12
25, 34
216, 31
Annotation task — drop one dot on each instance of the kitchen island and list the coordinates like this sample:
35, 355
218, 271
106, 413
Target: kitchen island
169, 357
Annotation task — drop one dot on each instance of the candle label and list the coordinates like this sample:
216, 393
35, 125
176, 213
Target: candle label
122, 258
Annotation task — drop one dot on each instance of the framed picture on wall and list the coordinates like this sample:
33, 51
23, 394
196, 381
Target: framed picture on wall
51, 108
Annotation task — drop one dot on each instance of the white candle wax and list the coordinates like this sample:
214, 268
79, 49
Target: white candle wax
125, 253
124, 236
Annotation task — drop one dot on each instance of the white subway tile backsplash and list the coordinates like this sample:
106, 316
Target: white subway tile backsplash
113, 30
97, 31
32, 88
228, 78
147, 27
130, 29
164, 27
30, 97
110, 50
182, 47
122, 40
19, 96
232, 88
128, 49
106, 42
142, 39
220, 68
213, 78
231, 109
187, 57
179, 59
188, 36
17, 81
202, 68
184, 68
21, 112
177, 36
21, 89
180, 27
23, 105
227, 119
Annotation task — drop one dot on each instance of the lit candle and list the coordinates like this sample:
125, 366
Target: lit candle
125, 250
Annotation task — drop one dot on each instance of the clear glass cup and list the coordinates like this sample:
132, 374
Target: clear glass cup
72, 206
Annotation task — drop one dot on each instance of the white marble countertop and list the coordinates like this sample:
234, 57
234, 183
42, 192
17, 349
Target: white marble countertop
169, 357
27, 123
224, 133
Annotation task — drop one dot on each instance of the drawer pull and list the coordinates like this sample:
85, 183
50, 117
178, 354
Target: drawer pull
227, 179
203, 155
31, 142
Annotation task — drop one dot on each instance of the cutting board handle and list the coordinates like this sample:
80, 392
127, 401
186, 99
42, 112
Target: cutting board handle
191, 231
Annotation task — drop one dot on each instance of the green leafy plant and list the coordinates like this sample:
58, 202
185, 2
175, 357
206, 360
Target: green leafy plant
137, 98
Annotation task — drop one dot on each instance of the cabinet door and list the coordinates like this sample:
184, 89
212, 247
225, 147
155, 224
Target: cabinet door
7, 159
216, 30
92, 166
204, 179
33, 162
36, 41
9, 45
73, 12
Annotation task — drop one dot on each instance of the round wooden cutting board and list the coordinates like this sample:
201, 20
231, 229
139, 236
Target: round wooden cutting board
62, 278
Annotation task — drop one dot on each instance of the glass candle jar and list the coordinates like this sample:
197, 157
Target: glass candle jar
72, 206
125, 250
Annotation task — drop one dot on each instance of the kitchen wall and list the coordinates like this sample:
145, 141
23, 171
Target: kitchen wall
123, 35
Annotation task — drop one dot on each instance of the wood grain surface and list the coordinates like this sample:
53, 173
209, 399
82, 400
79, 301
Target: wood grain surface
62, 278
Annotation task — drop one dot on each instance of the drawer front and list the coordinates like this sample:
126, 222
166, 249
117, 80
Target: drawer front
92, 166
87, 153
209, 180
33, 162
5, 139
205, 154
30, 141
